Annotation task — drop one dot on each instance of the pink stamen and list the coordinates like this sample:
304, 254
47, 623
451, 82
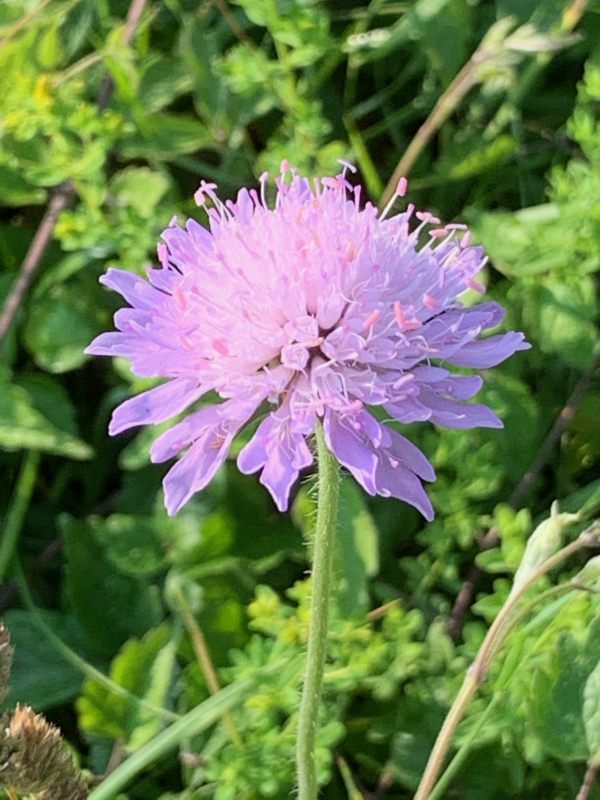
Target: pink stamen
430, 302
403, 323
179, 297
475, 285
372, 318
220, 346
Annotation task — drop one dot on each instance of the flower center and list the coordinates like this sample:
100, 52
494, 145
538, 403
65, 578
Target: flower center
304, 341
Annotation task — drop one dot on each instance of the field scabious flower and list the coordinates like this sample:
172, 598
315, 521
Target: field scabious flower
317, 308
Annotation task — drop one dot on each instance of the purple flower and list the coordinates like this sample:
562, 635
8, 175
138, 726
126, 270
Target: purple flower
316, 308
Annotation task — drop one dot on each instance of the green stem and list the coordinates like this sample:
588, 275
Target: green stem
322, 560
459, 759
194, 722
76, 660
16, 515
205, 662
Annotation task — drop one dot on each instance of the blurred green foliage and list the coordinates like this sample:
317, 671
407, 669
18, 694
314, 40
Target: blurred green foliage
224, 90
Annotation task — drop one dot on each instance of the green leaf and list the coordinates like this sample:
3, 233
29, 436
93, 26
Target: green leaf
557, 697
40, 676
194, 722
543, 543
591, 713
143, 667
357, 549
562, 317
16, 191
61, 323
162, 82
132, 543
140, 188
166, 135
38, 415
109, 605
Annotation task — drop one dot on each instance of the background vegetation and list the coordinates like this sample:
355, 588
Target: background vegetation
107, 124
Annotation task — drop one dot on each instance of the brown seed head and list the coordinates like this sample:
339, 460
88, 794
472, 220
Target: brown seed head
35, 758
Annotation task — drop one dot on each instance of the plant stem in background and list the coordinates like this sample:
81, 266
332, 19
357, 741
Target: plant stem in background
322, 561
447, 103
206, 664
194, 722
477, 672
561, 423
16, 514
454, 767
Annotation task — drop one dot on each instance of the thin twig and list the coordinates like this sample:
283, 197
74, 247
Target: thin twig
447, 103
477, 672
232, 22
22, 22
385, 783
561, 423
60, 198
491, 539
589, 779
572, 14
206, 663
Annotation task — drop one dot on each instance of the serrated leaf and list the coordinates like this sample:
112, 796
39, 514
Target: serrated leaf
162, 82
563, 317
166, 135
143, 667
132, 543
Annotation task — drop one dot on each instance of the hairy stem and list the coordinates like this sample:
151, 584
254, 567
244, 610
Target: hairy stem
322, 559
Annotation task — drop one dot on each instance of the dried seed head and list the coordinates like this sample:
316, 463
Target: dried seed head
36, 760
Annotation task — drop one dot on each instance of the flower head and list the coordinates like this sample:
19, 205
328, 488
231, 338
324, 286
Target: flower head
317, 308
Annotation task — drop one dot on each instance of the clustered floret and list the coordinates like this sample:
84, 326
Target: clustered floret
320, 308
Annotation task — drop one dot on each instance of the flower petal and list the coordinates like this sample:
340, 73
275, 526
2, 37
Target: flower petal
350, 449
156, 405
171, 442
451, 414
489, 352
195, 470
409, 454
280, 452
398, 481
